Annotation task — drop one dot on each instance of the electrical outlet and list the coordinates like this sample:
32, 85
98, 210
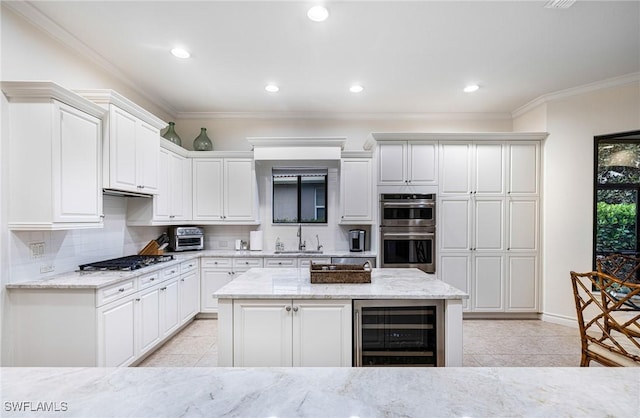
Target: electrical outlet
37, 249
47, 268
223, 244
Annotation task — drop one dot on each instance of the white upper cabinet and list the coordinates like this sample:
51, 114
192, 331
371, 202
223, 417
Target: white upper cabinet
54, 145
224, 190
455, 168
131, 143
172, 203
407, 163
472, 168
524, 168
356, 190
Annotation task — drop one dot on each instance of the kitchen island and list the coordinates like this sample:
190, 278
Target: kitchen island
277, 317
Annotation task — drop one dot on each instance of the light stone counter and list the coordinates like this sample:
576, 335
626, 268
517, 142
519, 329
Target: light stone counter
387, 283
320, 392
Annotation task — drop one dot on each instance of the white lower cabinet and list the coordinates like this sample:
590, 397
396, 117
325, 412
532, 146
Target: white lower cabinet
110, 327
306, 333
216, 272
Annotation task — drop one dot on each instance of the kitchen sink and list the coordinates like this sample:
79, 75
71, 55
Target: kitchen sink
298, 252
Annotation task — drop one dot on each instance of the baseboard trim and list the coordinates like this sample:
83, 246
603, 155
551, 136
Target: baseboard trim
500, 315
560, 320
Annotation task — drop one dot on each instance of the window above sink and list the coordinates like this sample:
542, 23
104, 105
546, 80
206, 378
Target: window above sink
299, 195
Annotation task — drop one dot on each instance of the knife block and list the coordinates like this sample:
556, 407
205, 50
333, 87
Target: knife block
151, 248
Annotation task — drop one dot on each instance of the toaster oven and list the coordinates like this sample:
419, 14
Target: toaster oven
185, 238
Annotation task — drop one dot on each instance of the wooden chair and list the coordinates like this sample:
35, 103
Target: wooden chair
608, 317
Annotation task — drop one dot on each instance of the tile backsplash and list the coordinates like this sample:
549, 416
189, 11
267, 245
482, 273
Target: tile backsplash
66, 250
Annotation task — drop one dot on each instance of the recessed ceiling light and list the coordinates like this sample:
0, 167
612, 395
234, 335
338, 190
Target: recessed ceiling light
471, 88
271, 88
180, 53
356, 88
318, 13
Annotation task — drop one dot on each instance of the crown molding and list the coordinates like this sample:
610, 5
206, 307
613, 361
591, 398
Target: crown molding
107, 97
344, 115
459, 136
574, 91
44, 91
34, 16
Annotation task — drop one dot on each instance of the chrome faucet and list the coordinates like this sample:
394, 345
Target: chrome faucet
319, 246
301, 244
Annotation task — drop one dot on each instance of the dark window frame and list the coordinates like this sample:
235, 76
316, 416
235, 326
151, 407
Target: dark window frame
631, 137
299, 200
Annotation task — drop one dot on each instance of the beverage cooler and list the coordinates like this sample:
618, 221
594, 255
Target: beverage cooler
398, 333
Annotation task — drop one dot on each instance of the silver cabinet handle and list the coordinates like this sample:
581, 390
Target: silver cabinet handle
121, 289
137, 299
295, 309
182, 280
163, 288
288, 308
152, 279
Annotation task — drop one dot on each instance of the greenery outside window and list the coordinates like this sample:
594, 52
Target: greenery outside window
299, 195
616, 226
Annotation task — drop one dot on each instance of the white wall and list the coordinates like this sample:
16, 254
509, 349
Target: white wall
568, 182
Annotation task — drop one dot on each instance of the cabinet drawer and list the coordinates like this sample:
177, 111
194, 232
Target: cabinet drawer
222, 263
170, 272
188, 266
247, 263
148, 280
116, 291
305, 262
280, 262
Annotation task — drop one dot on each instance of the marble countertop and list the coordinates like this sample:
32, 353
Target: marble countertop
98, 279
387, 283
320, 392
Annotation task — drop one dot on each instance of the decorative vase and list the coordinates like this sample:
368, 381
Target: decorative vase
171, 134
202, 141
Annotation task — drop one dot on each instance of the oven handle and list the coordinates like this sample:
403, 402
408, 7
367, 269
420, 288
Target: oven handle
407, 234
357, 342
408, 204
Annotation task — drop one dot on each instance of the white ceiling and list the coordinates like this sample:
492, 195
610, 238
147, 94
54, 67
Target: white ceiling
411, 57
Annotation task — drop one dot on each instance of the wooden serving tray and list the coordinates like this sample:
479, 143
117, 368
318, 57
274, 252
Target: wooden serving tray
340, 273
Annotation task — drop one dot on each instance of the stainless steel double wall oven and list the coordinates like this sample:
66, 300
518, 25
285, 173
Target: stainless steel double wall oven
408, 231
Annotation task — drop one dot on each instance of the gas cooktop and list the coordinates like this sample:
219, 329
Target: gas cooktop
131, 262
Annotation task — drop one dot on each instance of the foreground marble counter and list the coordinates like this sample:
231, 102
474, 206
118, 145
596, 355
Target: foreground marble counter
320, 392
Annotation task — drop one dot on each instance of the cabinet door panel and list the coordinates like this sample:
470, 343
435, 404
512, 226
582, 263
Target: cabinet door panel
454, 224
523, 224
163, 200
239, 180
262, 334
455, 168
356, 189
423, 163
123, 150
489, 283
170, 303
189, 296
117, 334
147, 150
210, 281
489, 221
455, 269
524, 171
149, 319
79, 194
207, 189
176, 183
489, 169
522, 279
321, 334
391, 163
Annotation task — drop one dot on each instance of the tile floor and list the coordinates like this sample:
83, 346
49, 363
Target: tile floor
487, 343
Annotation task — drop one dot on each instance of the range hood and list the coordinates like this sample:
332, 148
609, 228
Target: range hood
297, 148
122, 193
